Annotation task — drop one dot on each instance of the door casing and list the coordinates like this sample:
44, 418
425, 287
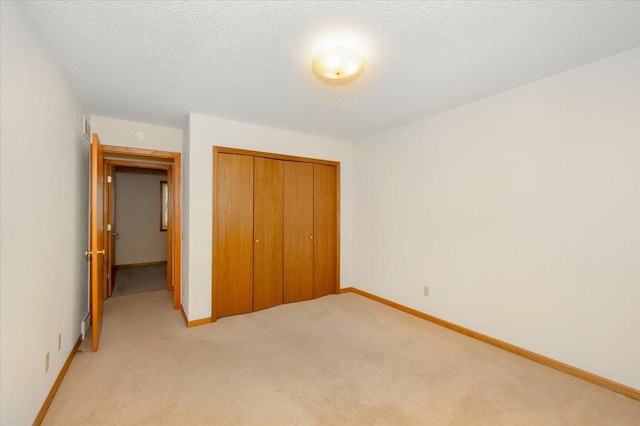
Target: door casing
160, 160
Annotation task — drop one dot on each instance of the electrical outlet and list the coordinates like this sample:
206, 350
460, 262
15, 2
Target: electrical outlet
46, 363
59, 341
426, 291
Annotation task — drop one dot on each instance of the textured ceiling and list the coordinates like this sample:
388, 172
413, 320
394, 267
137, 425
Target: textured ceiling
250, 61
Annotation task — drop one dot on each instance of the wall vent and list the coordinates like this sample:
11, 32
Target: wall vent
86, 128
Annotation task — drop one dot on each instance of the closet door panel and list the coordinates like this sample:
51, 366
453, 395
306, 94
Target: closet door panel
268, 232
325, 225
298, 231
234, 234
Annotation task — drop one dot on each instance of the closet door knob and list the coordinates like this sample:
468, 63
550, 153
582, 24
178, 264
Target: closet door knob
311, 237
257, 241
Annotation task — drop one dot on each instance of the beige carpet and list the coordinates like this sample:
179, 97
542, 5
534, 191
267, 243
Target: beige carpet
139, 279
338, 360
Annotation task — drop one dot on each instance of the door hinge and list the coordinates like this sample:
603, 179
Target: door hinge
108, 179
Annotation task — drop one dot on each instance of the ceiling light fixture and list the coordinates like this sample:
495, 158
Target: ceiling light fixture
338, 63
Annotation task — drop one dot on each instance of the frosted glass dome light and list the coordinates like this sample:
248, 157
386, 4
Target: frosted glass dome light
338, 63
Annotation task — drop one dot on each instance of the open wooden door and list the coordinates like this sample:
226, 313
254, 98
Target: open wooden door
96, 232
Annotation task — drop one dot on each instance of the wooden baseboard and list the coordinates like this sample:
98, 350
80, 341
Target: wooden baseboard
549, 362
194, 323
133, 265
56, 385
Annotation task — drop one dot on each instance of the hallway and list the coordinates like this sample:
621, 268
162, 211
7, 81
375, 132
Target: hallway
140, 279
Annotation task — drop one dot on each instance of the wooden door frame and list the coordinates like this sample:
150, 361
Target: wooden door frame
108, 218
214, 249
171, 162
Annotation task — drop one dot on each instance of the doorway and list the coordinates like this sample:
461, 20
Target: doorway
138, 219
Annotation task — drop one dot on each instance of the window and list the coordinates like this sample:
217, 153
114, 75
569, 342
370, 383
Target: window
164, 205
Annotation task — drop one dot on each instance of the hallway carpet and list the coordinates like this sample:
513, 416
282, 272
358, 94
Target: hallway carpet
337, 360
139, 279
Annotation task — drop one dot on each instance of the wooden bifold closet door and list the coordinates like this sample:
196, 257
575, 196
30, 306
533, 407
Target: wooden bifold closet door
234, 236
325, 228
268, 217
275, 231
298, 231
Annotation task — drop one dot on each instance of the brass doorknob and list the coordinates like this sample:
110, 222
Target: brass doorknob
257, 241
89, 253
311, 237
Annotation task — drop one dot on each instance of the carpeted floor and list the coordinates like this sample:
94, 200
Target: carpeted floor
139, 279
338, 360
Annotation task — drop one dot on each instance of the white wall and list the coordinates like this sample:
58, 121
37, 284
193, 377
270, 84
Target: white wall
522, 214
43, 220
205, 132
137, 211
123, 133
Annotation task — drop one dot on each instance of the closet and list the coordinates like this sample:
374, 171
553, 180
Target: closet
275, 236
